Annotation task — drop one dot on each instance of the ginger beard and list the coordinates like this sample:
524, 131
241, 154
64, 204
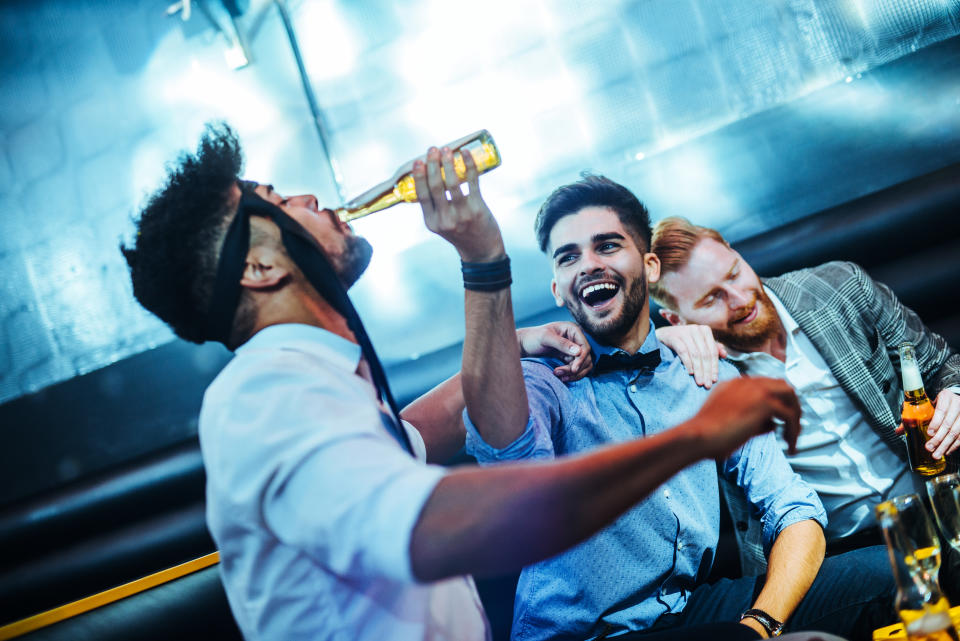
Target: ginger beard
746, 334
608, 326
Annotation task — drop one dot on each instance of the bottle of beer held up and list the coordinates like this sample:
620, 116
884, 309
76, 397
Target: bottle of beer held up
917, 413
401, 187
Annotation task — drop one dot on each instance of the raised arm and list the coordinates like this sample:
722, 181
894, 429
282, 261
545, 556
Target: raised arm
491, 377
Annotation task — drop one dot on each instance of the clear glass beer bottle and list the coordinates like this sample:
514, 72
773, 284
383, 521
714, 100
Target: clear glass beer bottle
401, 187
916, 416
914, 553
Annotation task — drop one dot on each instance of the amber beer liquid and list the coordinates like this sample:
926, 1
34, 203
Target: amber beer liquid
401, 187
917, 413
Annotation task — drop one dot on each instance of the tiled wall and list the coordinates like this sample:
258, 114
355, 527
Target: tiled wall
95, 96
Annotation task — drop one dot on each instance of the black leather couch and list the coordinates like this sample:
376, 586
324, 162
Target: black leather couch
148, 515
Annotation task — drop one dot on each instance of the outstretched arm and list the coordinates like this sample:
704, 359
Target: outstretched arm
490, 520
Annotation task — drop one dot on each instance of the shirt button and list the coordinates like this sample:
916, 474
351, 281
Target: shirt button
633, 389
666, 494
679, 545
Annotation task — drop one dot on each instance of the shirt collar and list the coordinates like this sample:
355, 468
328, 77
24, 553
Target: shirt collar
650, 344
309, 339
790, 326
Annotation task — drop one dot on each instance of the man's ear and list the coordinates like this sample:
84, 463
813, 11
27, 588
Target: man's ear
263, 269
651, 263
556, 296
672, 317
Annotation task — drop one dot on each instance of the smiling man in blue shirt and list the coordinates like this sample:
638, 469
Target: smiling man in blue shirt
644, 575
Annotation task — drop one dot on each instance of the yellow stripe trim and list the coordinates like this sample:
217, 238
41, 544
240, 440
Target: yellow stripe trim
42, 620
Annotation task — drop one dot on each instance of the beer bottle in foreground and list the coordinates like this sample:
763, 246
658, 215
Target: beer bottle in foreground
914, 553
917, 413
401, 187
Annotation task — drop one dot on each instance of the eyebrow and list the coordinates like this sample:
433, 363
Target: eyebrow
598, 238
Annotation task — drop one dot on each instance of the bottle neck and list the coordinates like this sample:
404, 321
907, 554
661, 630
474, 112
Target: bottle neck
915, 395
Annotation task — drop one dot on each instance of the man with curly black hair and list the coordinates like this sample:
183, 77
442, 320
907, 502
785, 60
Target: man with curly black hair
328, 522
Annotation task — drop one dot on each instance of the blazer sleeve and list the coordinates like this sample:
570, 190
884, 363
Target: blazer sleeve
896, 323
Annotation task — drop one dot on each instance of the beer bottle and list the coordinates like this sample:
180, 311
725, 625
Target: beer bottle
917, 413
923, 609
401, 187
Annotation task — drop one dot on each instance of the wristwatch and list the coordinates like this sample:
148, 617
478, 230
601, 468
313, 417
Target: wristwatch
773, 627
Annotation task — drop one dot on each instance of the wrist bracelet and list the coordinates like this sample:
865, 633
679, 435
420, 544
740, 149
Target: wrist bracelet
486, 277
773, 627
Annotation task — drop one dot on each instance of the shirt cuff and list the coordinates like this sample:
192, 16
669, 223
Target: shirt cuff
525, 447
802, 512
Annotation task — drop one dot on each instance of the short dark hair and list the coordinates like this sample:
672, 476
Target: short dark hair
179, 233
593, 190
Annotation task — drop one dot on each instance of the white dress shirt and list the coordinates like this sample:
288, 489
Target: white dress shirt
838, 453
312, 502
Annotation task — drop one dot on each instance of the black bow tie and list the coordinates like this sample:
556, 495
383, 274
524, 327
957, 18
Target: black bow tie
620, 361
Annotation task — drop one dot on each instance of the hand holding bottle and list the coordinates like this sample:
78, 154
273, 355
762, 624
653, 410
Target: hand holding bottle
464, 220
944, 427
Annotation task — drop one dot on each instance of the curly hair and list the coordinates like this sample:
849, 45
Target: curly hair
593, 190
173, 262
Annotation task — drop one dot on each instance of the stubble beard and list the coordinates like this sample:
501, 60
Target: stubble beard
610, 331
750, 338
354, 260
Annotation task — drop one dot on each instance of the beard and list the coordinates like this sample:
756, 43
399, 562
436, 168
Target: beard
610, 329
749, 337
354, 260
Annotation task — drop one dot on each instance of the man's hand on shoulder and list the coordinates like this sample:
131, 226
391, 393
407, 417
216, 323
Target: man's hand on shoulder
944, 428
740, 409
697, 349
563, 340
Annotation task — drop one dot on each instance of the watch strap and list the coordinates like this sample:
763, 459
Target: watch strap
773, 627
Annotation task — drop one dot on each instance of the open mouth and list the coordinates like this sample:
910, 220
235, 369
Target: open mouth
596, 294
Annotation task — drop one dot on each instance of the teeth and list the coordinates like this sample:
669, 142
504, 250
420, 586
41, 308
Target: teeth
595, 288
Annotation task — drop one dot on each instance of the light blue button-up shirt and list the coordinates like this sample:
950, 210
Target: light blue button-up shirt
312, 502
646, 563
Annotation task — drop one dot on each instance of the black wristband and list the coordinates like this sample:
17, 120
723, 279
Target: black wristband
486, 277
773, 627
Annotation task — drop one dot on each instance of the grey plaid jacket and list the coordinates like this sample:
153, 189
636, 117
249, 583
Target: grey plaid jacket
857, 325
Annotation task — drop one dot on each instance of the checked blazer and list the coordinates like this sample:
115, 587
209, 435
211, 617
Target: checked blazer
857, 325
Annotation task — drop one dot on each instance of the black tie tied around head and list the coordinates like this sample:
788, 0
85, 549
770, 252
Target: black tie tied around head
304, 250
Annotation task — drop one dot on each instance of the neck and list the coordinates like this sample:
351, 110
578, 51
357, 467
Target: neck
776, 345
307, 308
637, 334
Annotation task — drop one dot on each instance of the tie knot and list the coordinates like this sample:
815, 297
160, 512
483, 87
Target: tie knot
620, 361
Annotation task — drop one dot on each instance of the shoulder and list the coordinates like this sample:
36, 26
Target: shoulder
269, 395
835, 272
727, 370
812, 286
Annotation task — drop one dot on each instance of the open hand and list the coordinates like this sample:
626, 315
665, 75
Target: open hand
697, 349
